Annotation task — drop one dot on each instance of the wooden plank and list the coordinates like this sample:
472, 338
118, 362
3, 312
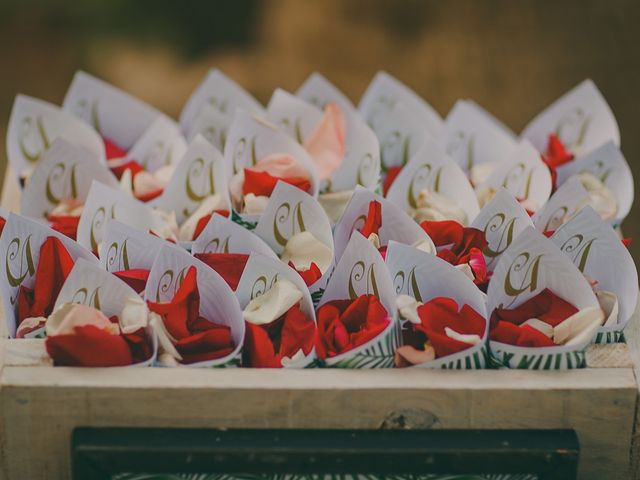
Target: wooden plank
41, 405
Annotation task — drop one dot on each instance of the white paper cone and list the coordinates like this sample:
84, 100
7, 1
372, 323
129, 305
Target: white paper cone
424, 276
396, 225
581, 118
531, 264
362, 271
217, 301
432, 169
125, 247
115, 114
88, 284
609, 165
596, 250
199, 174
220, 92
260, 274
473, 137
501, 220
20, 247
64, 172
291, 211
105, 203
35, 124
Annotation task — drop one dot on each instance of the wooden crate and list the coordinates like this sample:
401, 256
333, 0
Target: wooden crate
40, 405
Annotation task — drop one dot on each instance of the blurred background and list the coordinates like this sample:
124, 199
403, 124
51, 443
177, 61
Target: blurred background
514, 58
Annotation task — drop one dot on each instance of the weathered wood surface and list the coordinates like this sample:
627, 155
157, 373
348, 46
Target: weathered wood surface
40, 405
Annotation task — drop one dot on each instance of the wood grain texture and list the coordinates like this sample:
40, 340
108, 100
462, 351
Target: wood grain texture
41, 405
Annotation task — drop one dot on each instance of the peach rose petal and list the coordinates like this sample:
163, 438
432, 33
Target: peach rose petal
326, 144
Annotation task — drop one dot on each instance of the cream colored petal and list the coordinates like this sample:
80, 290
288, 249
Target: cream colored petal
272, 304
135, 315
165, 341
529, 205
485, 195
30, 324
126, 182
282, 165
406, 355
601, 198
425, 246
166, 360
479, 174
609, 305
68, 316
471, 339
374, 239
541, 326
235, 190
303, 248
466, 269
71, 207
163, 174
207, 206
408, 306
427, 215
291, 361
145, 182
255, 205
334, 203
578, 327
169, 228
432, 204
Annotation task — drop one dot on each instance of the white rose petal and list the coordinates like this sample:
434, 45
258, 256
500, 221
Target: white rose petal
255, 205
272, 304
485, 195
479, 174
165, 340
303, 248
541, 326
408, 306
471, 339
334, 203
600, 197
579, 327
135, 315
609, 304
435, 206
208, 205
290, 361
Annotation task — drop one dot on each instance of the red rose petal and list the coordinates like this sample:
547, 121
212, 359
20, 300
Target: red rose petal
310, 276
298, 332
392, 174
440, 313
182, 309
262, 184
136, 278
112, 149
344, 324
203, 221
228, 265
545, 306
373, 221
132, 165
89, 347
54, 266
